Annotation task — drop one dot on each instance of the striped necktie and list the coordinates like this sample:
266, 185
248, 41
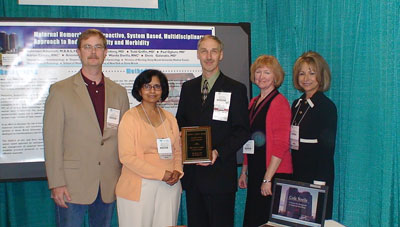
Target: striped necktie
204, 91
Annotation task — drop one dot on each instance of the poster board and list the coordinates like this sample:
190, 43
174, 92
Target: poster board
35, 53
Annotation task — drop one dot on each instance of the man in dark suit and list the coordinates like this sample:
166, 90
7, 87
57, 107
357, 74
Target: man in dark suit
211, 188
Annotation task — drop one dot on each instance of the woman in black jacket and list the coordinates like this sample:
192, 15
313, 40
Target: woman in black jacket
313, 127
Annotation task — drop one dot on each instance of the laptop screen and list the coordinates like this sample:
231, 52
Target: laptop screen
298, 204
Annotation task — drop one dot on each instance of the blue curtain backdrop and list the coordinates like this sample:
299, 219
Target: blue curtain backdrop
360, 39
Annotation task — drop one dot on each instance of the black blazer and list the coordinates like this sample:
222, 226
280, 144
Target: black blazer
227, 137
314, 161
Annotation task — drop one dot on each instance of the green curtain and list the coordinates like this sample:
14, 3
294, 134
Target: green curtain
360, 39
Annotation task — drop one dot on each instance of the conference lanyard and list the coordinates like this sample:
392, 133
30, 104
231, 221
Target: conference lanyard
298, 108
164, 147
254, 112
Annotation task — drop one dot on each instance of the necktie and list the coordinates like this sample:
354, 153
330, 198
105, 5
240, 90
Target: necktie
204, 91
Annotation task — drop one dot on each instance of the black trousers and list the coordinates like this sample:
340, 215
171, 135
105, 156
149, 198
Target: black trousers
258, 207
210, 210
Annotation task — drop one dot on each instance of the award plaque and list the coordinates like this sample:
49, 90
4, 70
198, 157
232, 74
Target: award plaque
196, 144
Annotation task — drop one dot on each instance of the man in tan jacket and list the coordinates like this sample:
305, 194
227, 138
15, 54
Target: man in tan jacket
81, 119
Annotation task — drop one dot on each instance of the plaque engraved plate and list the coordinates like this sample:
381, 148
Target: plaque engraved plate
196, 144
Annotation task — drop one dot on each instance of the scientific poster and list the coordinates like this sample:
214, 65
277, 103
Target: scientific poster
35, 55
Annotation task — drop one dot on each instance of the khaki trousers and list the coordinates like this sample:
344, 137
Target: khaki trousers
158, 206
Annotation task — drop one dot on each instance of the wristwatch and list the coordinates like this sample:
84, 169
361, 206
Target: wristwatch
266, 181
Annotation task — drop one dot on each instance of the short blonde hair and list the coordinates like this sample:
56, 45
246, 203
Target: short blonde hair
318, 63
213, 37
89, 33
272, 63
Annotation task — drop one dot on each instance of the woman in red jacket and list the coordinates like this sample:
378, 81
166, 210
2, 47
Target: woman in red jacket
270, 156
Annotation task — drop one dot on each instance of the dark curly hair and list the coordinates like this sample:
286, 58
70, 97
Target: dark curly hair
145, 78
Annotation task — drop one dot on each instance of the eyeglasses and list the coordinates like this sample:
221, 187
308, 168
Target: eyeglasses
96, 47
148, 87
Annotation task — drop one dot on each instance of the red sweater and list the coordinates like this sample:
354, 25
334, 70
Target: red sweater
277, 124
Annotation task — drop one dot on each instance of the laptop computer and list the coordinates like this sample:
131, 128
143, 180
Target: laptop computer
297, 204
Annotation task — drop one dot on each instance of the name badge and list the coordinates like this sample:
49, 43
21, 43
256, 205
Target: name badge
112, 118
248, 147
164, 148
294, 137
222, 101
